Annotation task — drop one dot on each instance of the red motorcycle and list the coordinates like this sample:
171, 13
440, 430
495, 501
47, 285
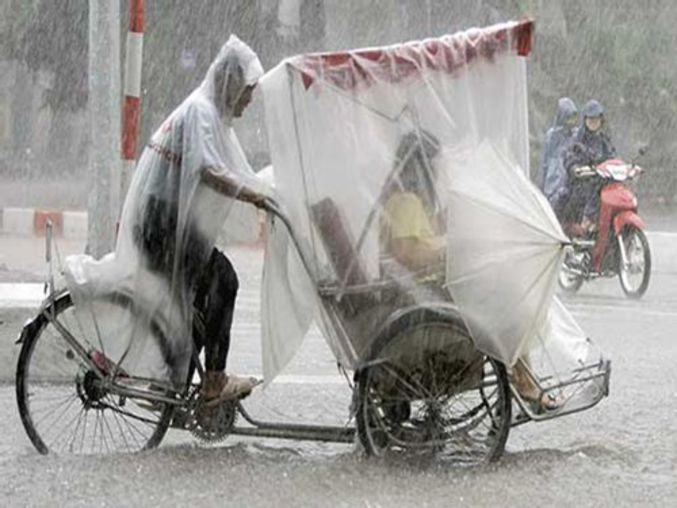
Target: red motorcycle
619, 245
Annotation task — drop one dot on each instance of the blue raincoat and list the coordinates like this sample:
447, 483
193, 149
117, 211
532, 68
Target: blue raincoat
552, 178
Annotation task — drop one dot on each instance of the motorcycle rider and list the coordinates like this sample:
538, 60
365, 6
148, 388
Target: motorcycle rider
552, 178
591, 146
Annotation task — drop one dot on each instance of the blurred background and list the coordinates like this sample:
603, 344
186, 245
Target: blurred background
620, 52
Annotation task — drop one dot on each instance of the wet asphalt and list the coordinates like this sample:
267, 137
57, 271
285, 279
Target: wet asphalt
621, 453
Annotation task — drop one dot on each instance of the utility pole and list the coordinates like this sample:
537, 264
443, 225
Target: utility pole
104, 125
131, 109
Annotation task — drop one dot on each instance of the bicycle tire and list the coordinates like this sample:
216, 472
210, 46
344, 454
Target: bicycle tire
31, 337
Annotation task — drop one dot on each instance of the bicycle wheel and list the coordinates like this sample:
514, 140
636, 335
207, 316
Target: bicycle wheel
66, 407
427, 391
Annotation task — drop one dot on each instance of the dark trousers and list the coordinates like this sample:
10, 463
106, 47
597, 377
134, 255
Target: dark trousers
583, 202
216, 291
214, 282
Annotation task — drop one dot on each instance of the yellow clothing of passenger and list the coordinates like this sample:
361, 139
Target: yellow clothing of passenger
405, 216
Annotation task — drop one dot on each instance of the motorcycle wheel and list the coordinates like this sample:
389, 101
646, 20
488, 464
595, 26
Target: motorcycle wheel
569, 282
634, 276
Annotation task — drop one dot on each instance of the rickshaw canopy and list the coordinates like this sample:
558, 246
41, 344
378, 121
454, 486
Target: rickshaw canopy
345, 131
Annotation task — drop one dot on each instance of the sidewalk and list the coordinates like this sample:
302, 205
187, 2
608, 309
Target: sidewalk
68, 224
22, 258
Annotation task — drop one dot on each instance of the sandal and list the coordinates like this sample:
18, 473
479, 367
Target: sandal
220, 387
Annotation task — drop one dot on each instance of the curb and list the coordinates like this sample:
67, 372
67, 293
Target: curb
72, 225
33, 222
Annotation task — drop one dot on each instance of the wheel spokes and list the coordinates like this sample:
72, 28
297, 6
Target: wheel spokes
70, 409
461, 426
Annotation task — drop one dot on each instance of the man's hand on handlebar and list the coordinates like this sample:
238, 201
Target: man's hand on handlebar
221, 182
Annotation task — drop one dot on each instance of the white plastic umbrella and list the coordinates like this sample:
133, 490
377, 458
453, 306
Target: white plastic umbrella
505, 250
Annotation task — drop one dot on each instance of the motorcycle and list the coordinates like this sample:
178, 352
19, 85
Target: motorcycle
619, 245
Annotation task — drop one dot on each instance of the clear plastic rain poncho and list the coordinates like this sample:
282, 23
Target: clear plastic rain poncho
170, 221
406, 166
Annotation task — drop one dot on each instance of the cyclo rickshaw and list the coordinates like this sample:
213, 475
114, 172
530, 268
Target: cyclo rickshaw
427, 138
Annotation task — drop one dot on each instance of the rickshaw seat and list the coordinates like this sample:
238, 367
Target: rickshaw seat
340, 249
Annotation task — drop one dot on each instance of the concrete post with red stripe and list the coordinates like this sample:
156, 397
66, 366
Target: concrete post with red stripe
131, 109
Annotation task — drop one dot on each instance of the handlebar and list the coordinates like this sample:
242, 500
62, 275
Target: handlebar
273, 208
584, 172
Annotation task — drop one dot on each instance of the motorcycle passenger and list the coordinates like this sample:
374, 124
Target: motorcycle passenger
552, 178
409, 229
590, 146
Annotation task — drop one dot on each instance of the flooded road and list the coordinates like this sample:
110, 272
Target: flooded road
622, 452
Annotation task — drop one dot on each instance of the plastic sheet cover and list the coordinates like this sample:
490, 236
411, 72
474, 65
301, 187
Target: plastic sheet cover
402, 171
168, 228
